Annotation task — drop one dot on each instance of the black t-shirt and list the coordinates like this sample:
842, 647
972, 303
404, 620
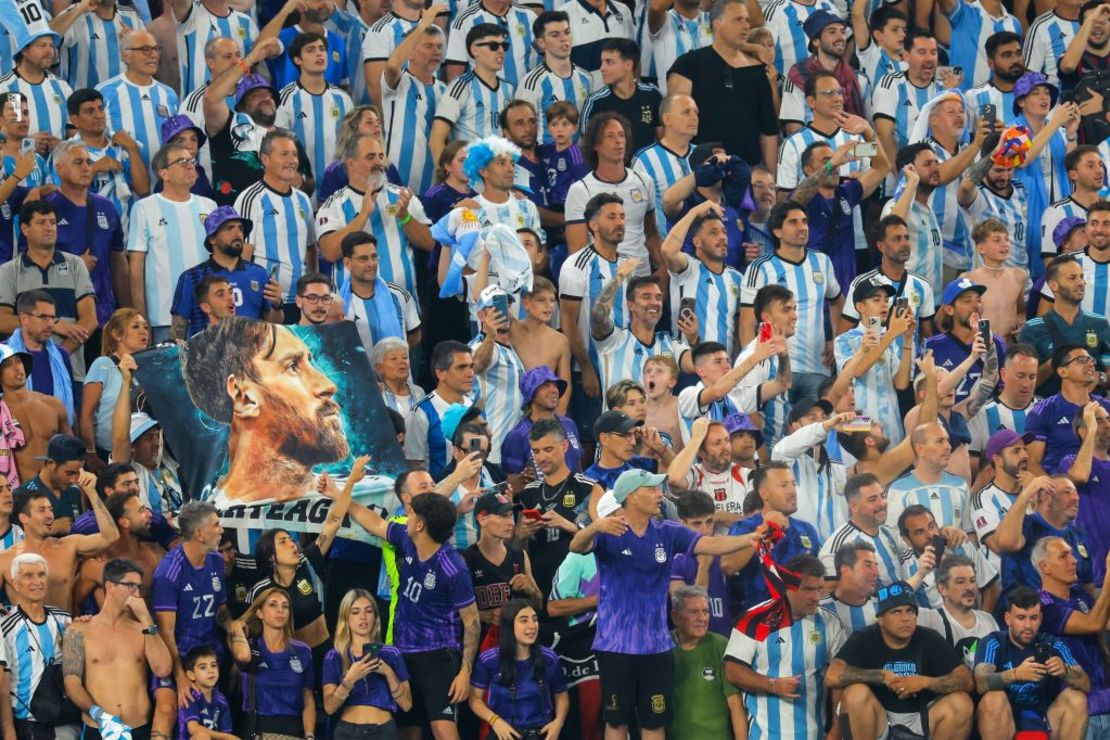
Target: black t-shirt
548, 548
491, 580
734, 103
927, 654
641, 110
305, 595
235, 166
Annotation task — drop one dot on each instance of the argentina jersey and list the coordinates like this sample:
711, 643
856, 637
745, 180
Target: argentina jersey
383, 37
664, 168
38, 176
333, 215
12, 536
675, 37
1012, 210
888, 547
91, 50
27, 650
622, 355
812, 282
282, 231
1046, 42
718, 300
898, 100
1053, 215
353, 29
851, 618
46, 101
794, 109
394, 251
819, 485
988, 94
410, 110
582, 278
139, 110
517, 23
917, 291
541, 87
989, 506
972, 25
498, 387
993, 416
473, 108
516, 213
1096, 298
775, 410
115, 186
314, 120
784, 19
638, 194
953, 220
874, 389
424, 439
948, 499
789, 172
877, 64
925, 240
193, 34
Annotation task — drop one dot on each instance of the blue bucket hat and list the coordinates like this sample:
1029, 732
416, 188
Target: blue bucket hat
736, 423
1025, 85
250, 83
531, 381
217, 218
818, 21
174, 125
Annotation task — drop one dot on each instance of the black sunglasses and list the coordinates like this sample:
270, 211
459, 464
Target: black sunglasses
494, 45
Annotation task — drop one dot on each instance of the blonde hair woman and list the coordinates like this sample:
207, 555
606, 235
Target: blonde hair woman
125, 333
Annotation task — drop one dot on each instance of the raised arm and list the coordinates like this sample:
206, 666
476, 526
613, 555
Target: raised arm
395, 65
223, 85
1008, 536
1080, 470
601, 315
91, 544
339, 503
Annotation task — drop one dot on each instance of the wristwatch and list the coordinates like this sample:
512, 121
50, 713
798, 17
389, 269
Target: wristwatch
151, 630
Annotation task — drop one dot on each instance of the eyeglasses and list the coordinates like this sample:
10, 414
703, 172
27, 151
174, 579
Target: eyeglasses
836, 92
44, 317
494, 45
145, 49
184, 160
1081, 359
313, 298
131, 586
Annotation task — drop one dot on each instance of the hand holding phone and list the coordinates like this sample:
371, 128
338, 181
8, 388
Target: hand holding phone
686, 307
939, 543
534, 515
764, 331
865, 149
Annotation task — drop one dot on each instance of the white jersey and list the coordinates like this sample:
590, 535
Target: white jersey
728, 489
790, 155
675, 37
820, 487
638, 194
424, 440
314, 120
46, 102
876, 64
1065, 208
517, 23
927, 243
92, 48
784, 19
171, 234
26, 651
282, 232
985, 573
917, 291
333, 215
955, 228
541, 87
775, 410
1012, 210
363, 312
690, 406
384, 36
851, 618
803, 649
410, 110
1046, 42
622, 355
717, 296
971, 26
899, 100
498, 390
989, 94
139, 110
888, 546
473, 108
664, 168
989, 507
193, 34
948, 499
963, 639
875, 391
590, 29
813, 283
582, 278
993, 416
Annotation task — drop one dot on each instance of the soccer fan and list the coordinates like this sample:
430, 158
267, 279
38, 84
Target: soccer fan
899, 97
667, 161
1013, 403
540, 390
696, 511
12, 533
918, 527
920, 174
1048, 38
1050, 420
1003, 57
1086, 173
620, 88
714, 473
720, 390
825, 106
961, 303
497, 369
40, 414
315, 299
379, 308
1004, 301
826, 34
516, 22
929, 484
557, 77
1001, 201
957, 615
427, 445
1094, 259
199, 21
1087, 468
209, 709
317, 17
536, 343
90, 41
971, 27
852, 599
1006, 454
58, 479
879, 36
390, 360
45, 94
471, 108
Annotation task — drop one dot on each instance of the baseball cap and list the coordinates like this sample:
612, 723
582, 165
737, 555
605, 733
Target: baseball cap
956, 288
736, 423
532, 380
893, 596
141, 423
63, 448
818, 21
174, 125
615, 422
799, 410
702, 152
866, 288
606, 505
252, 82
28, 360
630, 480
1063, 230
217, 218
1002, 439
455, 416
1025, 85
495, 503
485, 298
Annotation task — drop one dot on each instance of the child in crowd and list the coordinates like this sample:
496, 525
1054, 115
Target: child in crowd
208, 715
1004, 301
660, 378
561, 158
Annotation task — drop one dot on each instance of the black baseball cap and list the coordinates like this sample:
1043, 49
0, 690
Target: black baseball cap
866, 288
615, 422
63, 448
495, 503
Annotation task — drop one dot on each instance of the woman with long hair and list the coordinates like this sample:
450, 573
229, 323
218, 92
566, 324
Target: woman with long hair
518, 688
362, 119
364, 681
125, 333
277, 678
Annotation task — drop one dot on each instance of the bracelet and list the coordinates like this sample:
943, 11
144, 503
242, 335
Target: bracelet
244, 66
405, 220
773, 685
492, 721
345, 687
828, 167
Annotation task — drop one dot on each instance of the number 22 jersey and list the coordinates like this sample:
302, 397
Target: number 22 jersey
196, 594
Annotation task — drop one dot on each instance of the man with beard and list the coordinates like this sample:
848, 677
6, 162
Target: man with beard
955, 615
961, 305
714, 473
1009, 409
1007, 455
316, 299
1088, 469
989, 190
1066, 322
1016, 682
1088, 52
39, 416
825, 109
827, 38
164, 236
45, 94
919, 530
1095, 260
1003, 53
971, 26
256, 295
1086, 173
919, 168
899, 97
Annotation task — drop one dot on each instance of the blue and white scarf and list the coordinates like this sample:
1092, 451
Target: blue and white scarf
59, 371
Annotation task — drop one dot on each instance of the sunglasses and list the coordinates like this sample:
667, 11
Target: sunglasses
494, 45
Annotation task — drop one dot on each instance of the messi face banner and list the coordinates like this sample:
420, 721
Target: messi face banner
254, 412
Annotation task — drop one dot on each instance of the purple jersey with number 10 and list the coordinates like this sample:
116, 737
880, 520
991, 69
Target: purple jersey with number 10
195, 594
430, 595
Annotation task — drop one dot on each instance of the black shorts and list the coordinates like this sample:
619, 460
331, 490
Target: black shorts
636, 688
430, 676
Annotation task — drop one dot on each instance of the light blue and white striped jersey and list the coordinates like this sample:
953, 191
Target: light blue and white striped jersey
621, 355
1046, 42
676, 36
46, 101
813, 282
28, 648
403, 404
972, 25
517, 23
115, 186
409, 111
804, 650
989, 506
473, 108
384, 36
741, 399
424, 440
784, 19
1012, 210
820, 486
777, 409
282, 231
195, 31
192, 105
498, 389
1096, 299
91, 48
353, 29
790, 155
927, 593
954, 227
12, 536
851, 618
172, 236
1053, 215
993, 416
582, 278
40, 174
517, 213
314, 120
948, 499
888, 547
664, 168
875, 393
718, 300
1003, 102
793, 108
877, 64
897, 99
139, 110
638, 193
334, 214
394, 250
541, 87
925, 236
918, 291
466, 525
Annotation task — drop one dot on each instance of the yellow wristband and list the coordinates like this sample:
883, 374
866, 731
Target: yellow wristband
493, 721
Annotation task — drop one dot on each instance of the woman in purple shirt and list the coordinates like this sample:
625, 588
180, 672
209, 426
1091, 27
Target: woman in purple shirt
518, 688
365, 682
277, 676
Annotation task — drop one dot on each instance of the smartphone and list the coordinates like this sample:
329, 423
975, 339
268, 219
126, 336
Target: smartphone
534, 514
938, 544
865, 149
1042, 651
373, 649
875, 324
501, 304
958, 71
27, 145
989, 112
764, 331
985, 329
943, 72
475, 445
858, 424
274, 270
902, 304
686, 307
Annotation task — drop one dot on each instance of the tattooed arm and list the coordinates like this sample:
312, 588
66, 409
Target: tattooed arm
460, 687
73, 667
601, 315
840, 675
969, 184
957, 680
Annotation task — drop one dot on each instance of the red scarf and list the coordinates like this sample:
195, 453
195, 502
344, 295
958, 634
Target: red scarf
849, 82
772, 615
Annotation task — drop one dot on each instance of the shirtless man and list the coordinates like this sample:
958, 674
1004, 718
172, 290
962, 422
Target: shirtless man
1004, 301
105, 660
39, 416
535, 342
10, 532
36, 516
133, 518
